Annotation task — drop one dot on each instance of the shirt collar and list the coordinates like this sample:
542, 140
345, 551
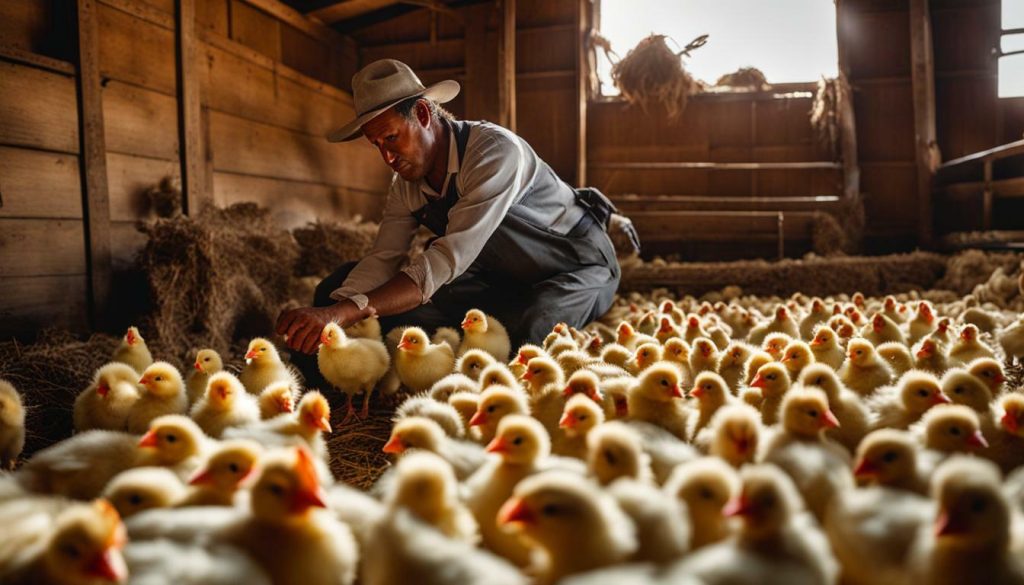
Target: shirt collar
454, 164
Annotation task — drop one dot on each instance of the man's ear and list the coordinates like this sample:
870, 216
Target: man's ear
422, 113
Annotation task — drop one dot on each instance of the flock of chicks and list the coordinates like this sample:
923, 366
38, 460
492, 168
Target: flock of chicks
675, 441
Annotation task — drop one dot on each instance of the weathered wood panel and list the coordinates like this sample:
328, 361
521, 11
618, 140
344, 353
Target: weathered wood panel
136, 51
304, 53
25, 23
129, 177
885, 121
889, 194
549, 127
213, 15
38, 109
443, 54
542, 49
413, 26
36, 183
534, 13
877, 44
140, 121
125, 242
294, 203
35, 247
30, 303
256, 29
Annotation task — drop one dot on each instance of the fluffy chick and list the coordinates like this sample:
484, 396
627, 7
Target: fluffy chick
497, 402
352, 365
898, 356
852, 413
484, 332
903, 404
705, 486
656, 398
276, 399
425, 485
826, 347
143, 488
222, 475
614, 450
12, 425
133, 351
661, 535
416, 432
208, 362
419, 363
473, 362
263, 366
712, 393
225, 404
163, 392
968, 347
580, 416
864, 372
734, 435
773, 381
889, 457
107, 401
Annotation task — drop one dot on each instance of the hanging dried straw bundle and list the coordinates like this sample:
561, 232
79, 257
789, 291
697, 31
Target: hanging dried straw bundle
825, 111
653, 73
744, 77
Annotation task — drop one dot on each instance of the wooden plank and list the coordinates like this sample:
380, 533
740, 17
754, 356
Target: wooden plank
129, 179
94, 160
545, 49
36, 247
30, 303
140, 121
294, 18
718, 226
25, 24
305, 54
999, 152
126, 241
445, 53
190, 131
507, 65
146, 11
631, 203
247, 147
136, 50
582, 29
339, 11
36, 183
38, 109
255, 29
481, 67
295, 203
717, 166
923, 74
16, 54
212, 15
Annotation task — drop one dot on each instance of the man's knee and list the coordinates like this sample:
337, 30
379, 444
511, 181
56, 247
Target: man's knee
333, 281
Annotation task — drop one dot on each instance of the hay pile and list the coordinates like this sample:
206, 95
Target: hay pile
219, 276
825, 111
652, 73
325, 246
744, 78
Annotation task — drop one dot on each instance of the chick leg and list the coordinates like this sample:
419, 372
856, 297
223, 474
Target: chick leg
365, 411
349, 409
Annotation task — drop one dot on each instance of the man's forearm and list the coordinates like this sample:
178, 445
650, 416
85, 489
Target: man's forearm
397, 295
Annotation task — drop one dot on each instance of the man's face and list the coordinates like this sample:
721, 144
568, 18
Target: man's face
404, 143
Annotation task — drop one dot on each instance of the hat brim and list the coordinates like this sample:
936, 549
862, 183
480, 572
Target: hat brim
441, 92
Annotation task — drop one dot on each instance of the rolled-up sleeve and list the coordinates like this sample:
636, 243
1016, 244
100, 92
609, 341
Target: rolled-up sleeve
491, 177
390, 249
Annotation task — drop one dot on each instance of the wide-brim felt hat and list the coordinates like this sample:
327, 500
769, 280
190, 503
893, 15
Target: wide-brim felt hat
383, 84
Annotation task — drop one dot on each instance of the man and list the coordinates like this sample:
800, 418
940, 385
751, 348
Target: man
511, 238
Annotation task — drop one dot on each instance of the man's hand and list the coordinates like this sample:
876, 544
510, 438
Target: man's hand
301, 328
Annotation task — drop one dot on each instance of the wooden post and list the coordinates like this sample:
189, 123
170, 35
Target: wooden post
582, 83
986, 197
481, 65
923, 81
507, 66
190, 118
96, 204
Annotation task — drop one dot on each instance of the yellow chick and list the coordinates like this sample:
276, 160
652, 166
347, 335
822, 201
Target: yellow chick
473, 362
775, 344
732, 365
133, 351
757, 359
499, 375
208, 362
734, 435
773, 380
443, 389
225, 404
922, 323
704, 356
930, 356
711, 393
573, 527
1011, 338
826, 348
864, 372
645, 355
305, 427
1007, 445
971, 538
466, 403
617, 355
143, 488
705, 485
881, 330
417, 432
276, 399
420, 364
854, 417
666, 329
580, 416
352, 365
163, 392
963, 388
614, 451
888, 457
948, 429
227, 468
797, 356
781, 323
12, 425
656, 515
990, 372
81, 546
176, 442
902, 405
968, 347
484, 332
495, 403
818, 314
656, 398
425, 485
107, 401
898, 356
263, 366
442, 413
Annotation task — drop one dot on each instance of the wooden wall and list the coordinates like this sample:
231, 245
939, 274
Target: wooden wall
268, 95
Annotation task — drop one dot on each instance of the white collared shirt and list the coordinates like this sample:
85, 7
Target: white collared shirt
498, 170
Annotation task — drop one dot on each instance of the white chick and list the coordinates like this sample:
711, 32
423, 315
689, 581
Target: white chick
580, 416
864, 372
971, 539
420, 364
903, 404
499, 375
133, 351
143, 488
443, 414
417, 432
881, 330
854, 418
352, 365
898, 356
948, 429
225, 404
263, 366
466, 403
425, 485
484, 332
777, 538
990, 372
645, 355
107, 401
614, 450
1007, 440
826, 348
968, 347
712, 393
819, 467
1011, 338
963, 388
572, 526
495, 403
222, 475
276, 399
208, 362
661, 535
773, 380
705, 486
734, 435
797, 356
818, 314
12, 425
656, 398
472, 363
163, 392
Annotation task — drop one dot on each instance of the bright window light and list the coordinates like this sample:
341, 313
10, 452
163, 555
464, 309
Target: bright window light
1011, 67
1011, 76
1013, 14
788, 40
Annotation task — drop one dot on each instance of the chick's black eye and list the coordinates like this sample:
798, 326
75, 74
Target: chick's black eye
159, 378
206, 359
706, 493
978, 505
70, 550
954, 431
171, 438
922, 393
813, 413
517, 441
491, 408
890, 456
135, 499
276, 489
550, 510
664, 382
233, 467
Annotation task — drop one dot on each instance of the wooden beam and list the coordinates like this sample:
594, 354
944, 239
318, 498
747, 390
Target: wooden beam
190, 118
582, 83
481, 66
715, 166
290, 16
507, 65
96, 204
923, 80
19, 55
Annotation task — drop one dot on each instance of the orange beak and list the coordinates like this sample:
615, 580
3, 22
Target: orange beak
323, 339
285, 404
941, 398
522, 359
759, 382
567, 421
144, 380
528, 375
568, 391
320, 422
394, 445
479, 418
817, 342
878, 325
829, 420
130, 337
924, 352
150, 439
999, 379
465, 324
515, 510
738, 507
977, 440
945, 525
1009, 422
251, 354
108, 565
678, 391
308, 497
693, 323
103, 390
404, 345
787, 359
497, 445
865, 469
202, 477
198, 367
697, 392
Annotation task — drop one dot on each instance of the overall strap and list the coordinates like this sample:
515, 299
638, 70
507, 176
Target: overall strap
434, 215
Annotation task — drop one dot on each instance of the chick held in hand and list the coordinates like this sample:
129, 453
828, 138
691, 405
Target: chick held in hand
351, 364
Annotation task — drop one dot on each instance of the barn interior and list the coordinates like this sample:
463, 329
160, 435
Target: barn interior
164, 167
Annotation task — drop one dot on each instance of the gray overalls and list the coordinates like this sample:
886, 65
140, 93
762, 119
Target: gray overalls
527, 275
